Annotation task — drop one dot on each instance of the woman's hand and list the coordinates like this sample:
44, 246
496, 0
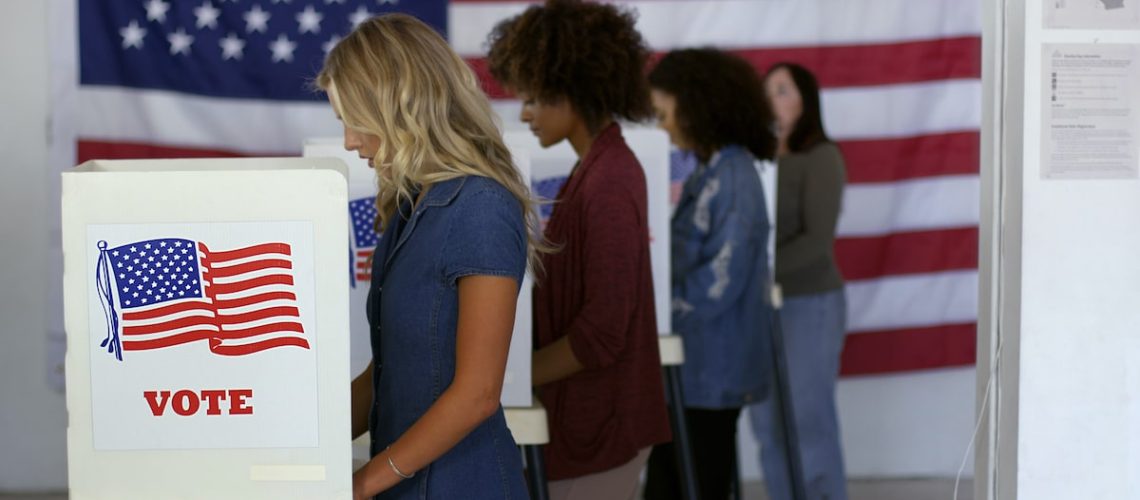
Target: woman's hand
375, 477
358, 486
361, 400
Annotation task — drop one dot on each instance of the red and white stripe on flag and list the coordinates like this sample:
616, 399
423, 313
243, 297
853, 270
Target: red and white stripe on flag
902, 96
248, 306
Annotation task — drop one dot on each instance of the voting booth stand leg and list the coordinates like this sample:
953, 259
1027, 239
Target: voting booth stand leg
782, 394
682, 446
535, 472
736, 493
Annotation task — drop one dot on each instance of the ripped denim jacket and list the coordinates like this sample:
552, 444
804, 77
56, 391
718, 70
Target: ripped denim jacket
720, 282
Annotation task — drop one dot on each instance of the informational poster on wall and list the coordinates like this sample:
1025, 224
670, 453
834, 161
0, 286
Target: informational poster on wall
1092, 14
1090, 127
205, 335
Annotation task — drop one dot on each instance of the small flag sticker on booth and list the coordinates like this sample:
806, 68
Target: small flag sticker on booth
365, 237
547, 189
165, 292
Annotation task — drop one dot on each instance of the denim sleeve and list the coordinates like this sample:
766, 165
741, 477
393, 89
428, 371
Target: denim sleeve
487, 237
730, 248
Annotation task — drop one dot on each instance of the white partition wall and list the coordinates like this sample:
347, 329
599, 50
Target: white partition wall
207, 329
517, 390
1059, 322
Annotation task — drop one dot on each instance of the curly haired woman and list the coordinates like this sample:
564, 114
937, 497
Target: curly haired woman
578, 69
712, 104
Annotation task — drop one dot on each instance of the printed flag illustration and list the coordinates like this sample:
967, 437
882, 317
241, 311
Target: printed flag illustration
364, 239
166, 292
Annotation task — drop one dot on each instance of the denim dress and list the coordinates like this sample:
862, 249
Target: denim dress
720, 280
461, 227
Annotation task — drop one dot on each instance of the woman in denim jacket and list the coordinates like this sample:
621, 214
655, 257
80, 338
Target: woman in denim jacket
712, 105
459, 228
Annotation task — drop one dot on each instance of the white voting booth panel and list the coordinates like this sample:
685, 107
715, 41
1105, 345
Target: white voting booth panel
651, 147
362, 210
207, 334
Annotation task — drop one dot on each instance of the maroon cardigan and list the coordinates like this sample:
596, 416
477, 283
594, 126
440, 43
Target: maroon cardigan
598, 290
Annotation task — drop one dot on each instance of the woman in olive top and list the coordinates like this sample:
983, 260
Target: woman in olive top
810, 182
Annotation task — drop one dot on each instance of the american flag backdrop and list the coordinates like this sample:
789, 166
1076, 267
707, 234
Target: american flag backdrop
166, 292
902, 93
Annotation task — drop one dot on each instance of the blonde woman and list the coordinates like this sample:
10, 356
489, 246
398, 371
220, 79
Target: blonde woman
459, 229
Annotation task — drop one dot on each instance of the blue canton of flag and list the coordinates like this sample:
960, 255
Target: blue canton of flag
365, 237
258, 49
547, 189
681, 164
153, 272
363, 212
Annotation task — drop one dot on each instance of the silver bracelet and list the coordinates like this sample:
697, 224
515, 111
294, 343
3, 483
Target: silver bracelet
397, 469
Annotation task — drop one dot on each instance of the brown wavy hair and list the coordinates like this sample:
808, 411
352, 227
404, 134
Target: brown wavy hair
588, 53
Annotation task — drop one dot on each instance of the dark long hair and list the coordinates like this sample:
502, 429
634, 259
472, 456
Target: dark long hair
808, 130
720, 101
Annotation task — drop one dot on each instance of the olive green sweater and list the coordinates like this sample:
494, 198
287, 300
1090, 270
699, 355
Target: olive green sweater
808, 198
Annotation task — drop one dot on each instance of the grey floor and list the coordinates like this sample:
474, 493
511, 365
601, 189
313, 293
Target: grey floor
894, 489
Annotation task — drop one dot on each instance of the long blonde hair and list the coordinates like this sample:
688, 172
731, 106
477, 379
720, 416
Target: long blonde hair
396, 78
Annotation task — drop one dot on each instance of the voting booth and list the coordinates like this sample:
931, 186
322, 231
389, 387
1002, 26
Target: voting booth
206, 311
361, 208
